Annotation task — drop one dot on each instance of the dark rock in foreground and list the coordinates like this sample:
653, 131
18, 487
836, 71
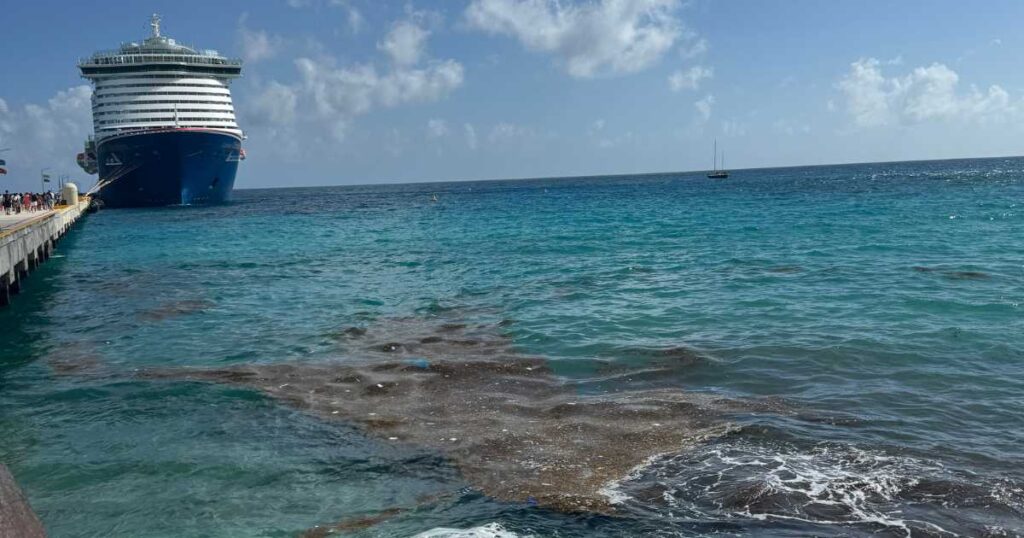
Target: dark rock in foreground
17, 520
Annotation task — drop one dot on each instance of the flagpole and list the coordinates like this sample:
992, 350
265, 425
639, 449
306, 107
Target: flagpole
42, 178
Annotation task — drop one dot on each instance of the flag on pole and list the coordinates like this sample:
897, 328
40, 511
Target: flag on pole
3, 170
46, 178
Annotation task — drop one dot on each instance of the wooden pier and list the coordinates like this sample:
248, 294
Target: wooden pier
27, 240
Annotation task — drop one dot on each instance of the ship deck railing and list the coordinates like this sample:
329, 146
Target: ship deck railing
102, 59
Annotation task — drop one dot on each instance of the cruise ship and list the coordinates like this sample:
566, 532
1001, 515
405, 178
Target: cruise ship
164, 124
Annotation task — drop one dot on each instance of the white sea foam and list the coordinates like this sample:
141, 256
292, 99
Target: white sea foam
490, 530
825, 484
612, 490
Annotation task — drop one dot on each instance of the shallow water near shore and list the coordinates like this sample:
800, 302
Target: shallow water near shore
850, 338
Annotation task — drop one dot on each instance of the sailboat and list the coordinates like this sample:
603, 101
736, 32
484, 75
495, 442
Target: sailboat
715, 173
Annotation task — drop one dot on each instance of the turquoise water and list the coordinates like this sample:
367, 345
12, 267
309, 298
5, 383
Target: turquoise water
885, 297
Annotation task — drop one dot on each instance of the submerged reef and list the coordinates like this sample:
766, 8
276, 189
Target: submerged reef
515, 429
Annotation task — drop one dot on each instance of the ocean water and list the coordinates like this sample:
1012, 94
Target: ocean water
868, 317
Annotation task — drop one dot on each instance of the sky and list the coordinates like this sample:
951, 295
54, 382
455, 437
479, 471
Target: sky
367, 91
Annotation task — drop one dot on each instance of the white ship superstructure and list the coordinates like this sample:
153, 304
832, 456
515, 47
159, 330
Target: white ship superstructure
163, 122
160, 83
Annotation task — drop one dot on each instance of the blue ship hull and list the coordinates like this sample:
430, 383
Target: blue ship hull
175, 167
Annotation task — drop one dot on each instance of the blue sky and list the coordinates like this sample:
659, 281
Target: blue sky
359, 91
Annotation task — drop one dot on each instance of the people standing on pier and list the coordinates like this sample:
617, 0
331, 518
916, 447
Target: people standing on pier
30, 202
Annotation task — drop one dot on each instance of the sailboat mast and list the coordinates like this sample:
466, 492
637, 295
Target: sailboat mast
714, 158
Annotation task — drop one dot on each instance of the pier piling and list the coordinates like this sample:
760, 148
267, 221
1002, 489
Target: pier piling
26, 243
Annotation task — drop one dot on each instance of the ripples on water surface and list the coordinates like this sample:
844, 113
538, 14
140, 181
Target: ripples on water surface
861, 323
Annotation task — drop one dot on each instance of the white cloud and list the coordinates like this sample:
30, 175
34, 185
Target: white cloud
790, 127
689, 79
925, 94
405, 43
608, 138
274, 105
256, 45
703, 107
354, 17
505, 131
698, 48
437, 128
356, 90
603, 37
46, 135
332, 96
734, 128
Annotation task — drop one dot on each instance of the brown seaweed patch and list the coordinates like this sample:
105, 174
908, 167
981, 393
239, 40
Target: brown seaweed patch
348, 333
75, 358
966, 275
512, 428
953, 275
413, 337
352, 524
176, 308
669, 357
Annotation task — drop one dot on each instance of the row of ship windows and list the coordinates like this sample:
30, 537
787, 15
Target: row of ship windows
164, 120
103, 99
180, 105
221, 127
159, 110
211, 84
211, 108
162, 102
137, 70
101, 94
169, 76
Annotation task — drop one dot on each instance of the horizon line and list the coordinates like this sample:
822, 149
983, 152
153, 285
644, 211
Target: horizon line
581, 176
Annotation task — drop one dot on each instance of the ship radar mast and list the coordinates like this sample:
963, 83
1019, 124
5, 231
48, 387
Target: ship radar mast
154, 23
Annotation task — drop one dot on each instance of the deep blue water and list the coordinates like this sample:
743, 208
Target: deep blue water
885, 297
